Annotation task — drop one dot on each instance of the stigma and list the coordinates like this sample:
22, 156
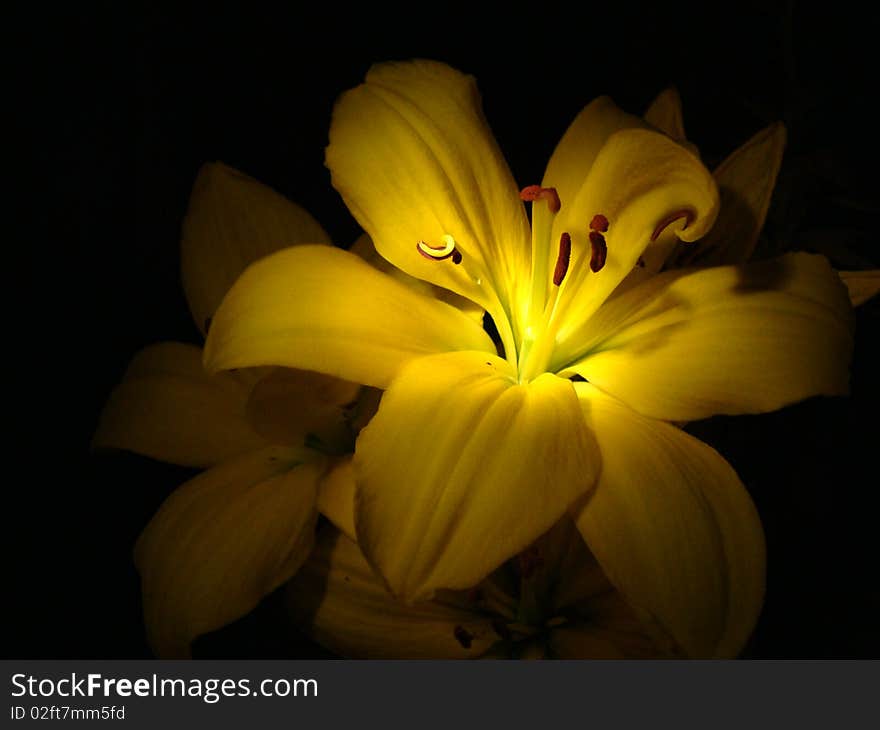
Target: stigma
439, 253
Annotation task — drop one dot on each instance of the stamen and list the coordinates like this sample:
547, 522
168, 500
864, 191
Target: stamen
536, 192
562, 259
599, 223
463, 637
439, 253
599, 251
688, 215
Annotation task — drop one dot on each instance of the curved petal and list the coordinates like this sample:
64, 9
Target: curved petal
224, 540
674, 529
575, 153
461, 468
746, 180
345, 607
413, 158
168, 408
665, 114
323, 309
696, 343
645, 185
231, 222
861, 285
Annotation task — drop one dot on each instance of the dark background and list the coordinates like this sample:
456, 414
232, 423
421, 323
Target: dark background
121, 106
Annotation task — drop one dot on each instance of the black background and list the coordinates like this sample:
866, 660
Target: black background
122, 105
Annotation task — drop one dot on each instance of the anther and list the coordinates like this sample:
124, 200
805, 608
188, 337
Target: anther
536, 192
599, 223
599, 251
439, 253
463, 637
688, 215
562, 259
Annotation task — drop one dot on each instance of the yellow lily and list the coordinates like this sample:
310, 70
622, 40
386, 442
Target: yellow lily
240, 529
477, 450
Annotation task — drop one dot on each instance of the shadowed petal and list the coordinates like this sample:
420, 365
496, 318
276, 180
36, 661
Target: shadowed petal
673, 529
168, 408
224, 540
746, 180
862, 285
346, 608
232, 221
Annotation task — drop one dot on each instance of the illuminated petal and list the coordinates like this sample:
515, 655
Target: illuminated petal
224, 540
461, 469
232, 221
745, 180
580, 145
168, 408
295, 406
336, 497
674, 529
862, 285
749, 339
323, 309
414, 160
364, 248
665, 114
346, 608
645, 185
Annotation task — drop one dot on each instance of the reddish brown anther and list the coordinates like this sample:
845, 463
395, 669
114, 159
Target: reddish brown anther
562, 259
688, 215
599, 223
463, 637
599, 251
456, 257
536, 192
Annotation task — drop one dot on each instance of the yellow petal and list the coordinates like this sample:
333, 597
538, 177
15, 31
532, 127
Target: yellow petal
461, 469
745, 180
645, 185
168, 408
665, 114
346, 608
224, 540
695, 343
323, 309
364, 248
610, 631
414, 160
232, 221
674, 529
336, 497
861, 285
292, 406
573, 157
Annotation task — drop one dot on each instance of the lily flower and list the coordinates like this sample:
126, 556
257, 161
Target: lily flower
478, 450
554, 602
239, 530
